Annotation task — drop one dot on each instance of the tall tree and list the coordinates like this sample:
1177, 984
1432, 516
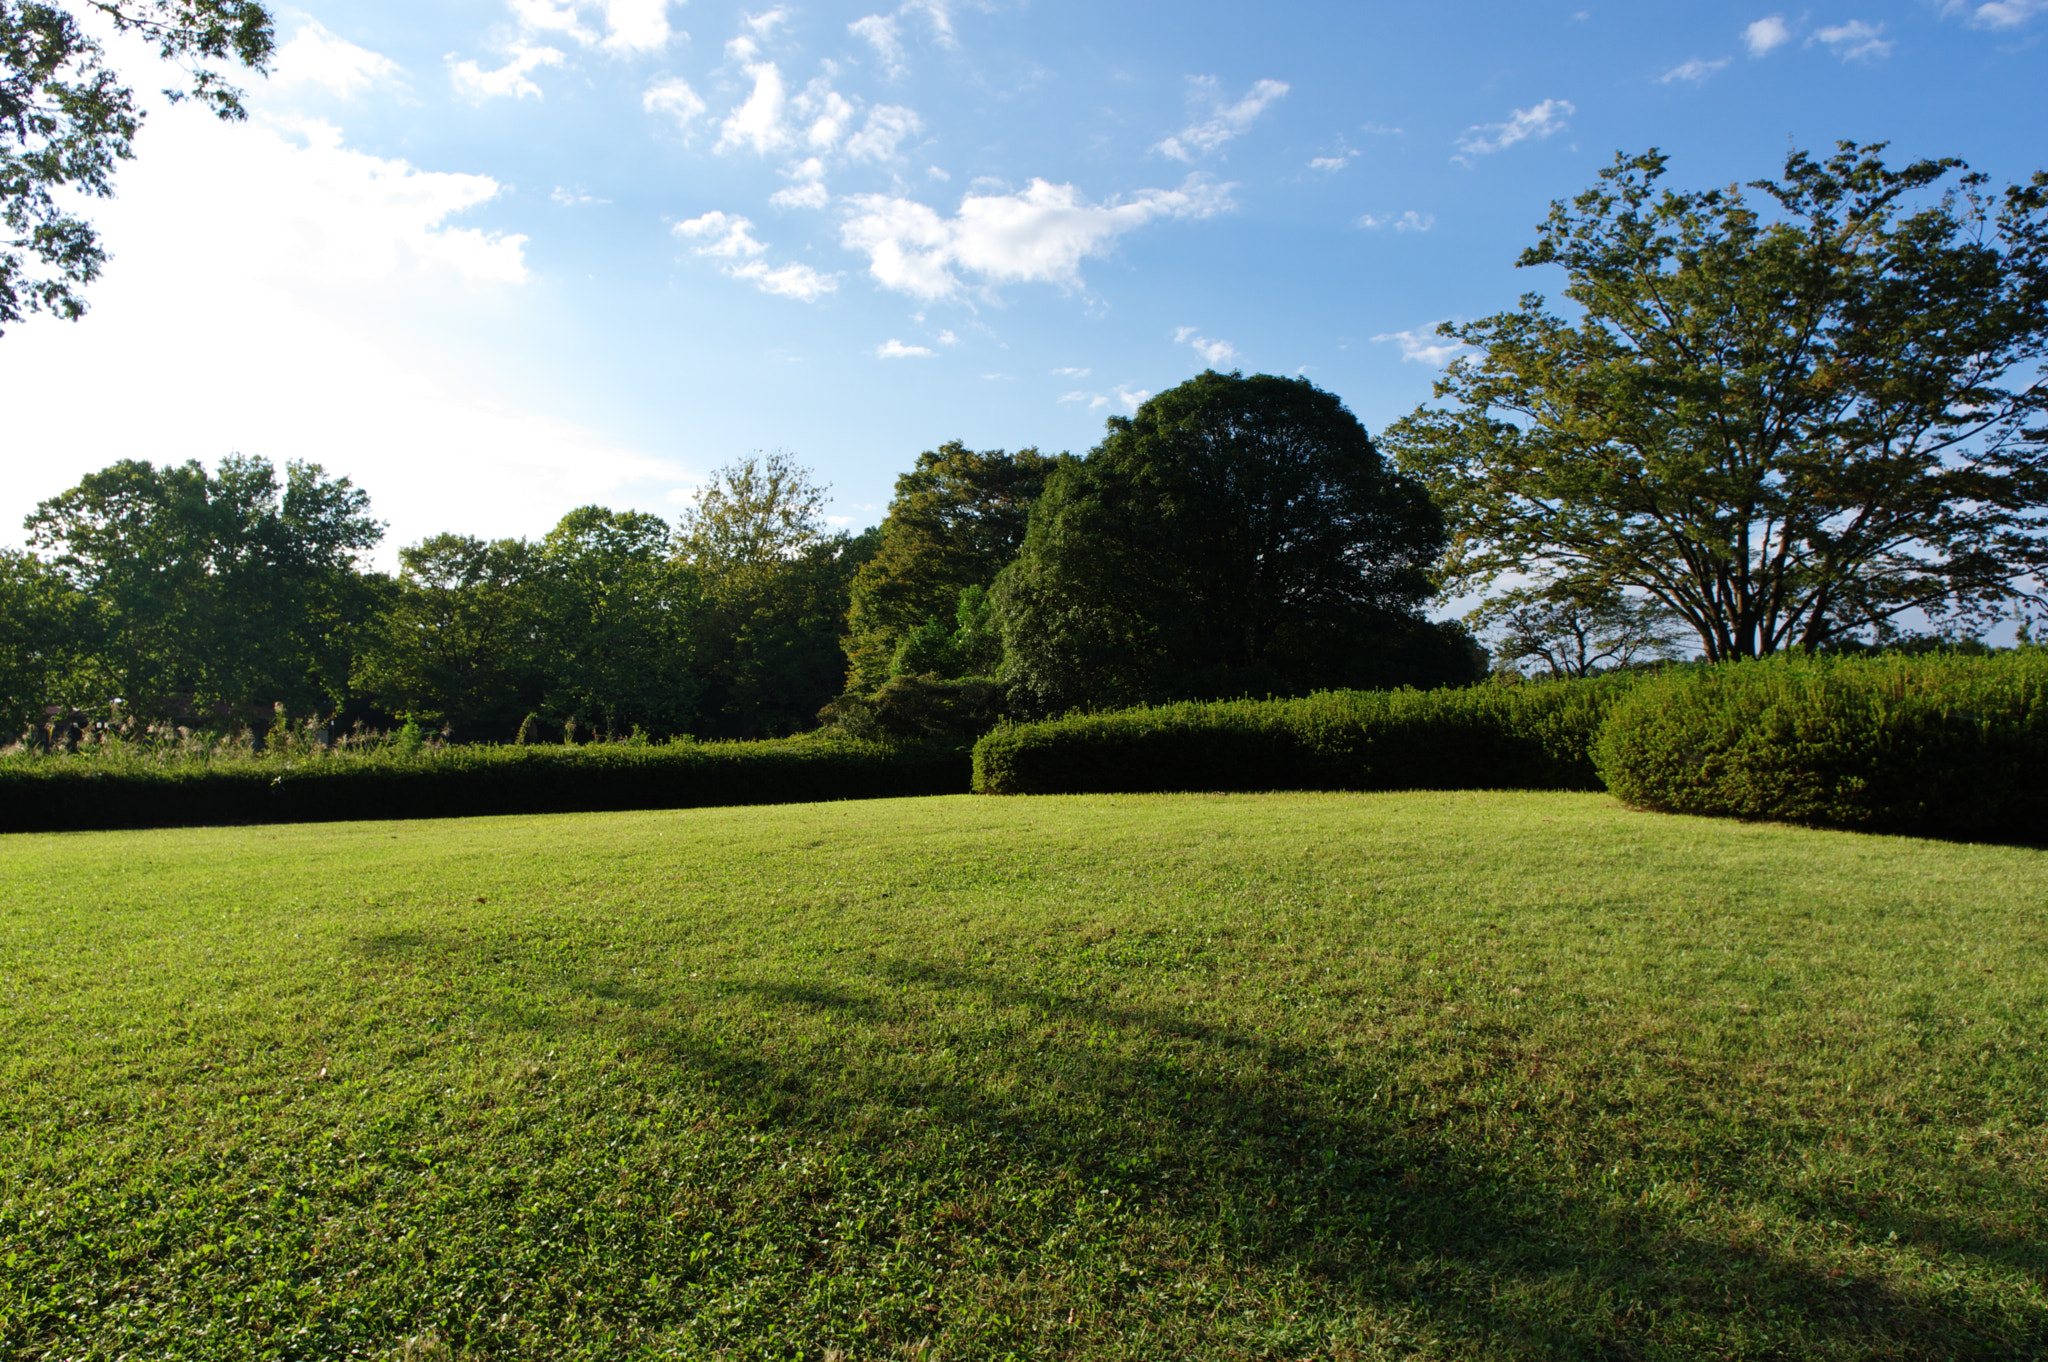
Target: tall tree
620, 616
1234, 536
66, 121
45, 641
775, 586
228, 588
1786, 424
957, 519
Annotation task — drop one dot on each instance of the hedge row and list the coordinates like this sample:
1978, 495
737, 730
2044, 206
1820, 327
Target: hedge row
1534, 736
61, 794
1944, 746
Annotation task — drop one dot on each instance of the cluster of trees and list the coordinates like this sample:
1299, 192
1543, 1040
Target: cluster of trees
211, 598
1801, 428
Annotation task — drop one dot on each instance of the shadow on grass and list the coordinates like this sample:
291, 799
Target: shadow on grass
1289, 1165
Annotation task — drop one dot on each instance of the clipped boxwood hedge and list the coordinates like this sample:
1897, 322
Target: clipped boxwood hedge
1529, 736
59, 794
1944, 746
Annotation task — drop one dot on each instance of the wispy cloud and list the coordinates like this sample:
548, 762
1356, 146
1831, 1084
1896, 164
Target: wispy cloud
1214, 351
478, 85
1040, 234
1071, 373
729, 237
574, 198
761, 121
896, 349
1767, 35
1854, 41
1422, 345
1129, 398
316, 57
1225, 120
1696, 71
621, 28
1996, 13
1538, 122
1410, 221
673, 96
886, 127
884, 32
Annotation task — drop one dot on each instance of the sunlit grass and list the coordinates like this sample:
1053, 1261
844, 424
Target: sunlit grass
1438, 1075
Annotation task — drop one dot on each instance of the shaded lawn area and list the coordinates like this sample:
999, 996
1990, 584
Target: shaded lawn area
1272, 1076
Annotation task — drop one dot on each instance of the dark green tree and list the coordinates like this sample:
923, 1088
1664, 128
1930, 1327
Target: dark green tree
1787, 424
1235, 536
228, 589
957, 519
619, 622
66, 121
461, 643
45, 642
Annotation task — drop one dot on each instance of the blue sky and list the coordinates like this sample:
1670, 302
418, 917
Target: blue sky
494, 259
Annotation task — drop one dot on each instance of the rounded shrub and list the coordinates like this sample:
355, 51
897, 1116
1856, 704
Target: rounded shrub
1943, 745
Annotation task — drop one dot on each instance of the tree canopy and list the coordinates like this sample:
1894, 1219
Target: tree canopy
957, 520
66, 121
1786, 424
1234, 536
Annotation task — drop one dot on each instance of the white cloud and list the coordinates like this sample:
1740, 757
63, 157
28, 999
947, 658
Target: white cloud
1997, 13
1094, 400
479, 85
829, 111
630, 27
1071, 373
800, 282
1422, 345
1543, 120
1854, 41
316, 57
1767, 35
887, 125
1225, 122
1039, 235
809, 190
948, 338
761, 122
228, 243
1214, 351
1329, 163
1695, 70
880, 32
1381, 129
1410, 221
724, 234
896, 349
1131, 398
729, 237
673, 96
764, 24
574, 198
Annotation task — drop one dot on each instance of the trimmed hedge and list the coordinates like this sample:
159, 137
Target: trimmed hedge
1531, 736
66, 793
1945, 746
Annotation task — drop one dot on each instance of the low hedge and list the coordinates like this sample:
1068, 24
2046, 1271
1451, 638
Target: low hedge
1529, 736
46, 794
1945, 746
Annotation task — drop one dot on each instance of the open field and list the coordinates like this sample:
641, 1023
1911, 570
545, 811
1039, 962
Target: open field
1281, 1076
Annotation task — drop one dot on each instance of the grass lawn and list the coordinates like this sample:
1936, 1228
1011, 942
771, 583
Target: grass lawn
1284, 1076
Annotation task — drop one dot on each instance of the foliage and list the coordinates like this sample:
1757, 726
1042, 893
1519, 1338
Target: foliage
66, 121
751, 515
208, 591
1499, 736
1470, 1076
407, 776
1573, 636
1235, 536
969, 644
1937, 745
43, 630
1785, 425
960, 709
956, 520
621, 622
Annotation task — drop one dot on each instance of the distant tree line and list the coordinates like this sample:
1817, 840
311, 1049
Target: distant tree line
1801, 429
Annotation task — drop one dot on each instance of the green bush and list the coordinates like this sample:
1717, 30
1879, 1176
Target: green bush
52, 793
959, 709
1536, 735
1947, 746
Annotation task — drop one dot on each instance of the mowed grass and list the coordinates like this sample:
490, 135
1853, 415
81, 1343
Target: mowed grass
1287, 1076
